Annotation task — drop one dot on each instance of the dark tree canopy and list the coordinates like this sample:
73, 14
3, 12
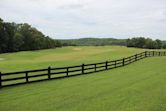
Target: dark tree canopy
22, 37
141, 42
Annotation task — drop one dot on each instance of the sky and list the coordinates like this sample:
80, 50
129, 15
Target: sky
66, 19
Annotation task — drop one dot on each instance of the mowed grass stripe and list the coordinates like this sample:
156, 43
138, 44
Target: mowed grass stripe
140, 86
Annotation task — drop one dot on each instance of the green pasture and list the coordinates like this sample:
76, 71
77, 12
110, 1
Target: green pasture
67, 56
140, 86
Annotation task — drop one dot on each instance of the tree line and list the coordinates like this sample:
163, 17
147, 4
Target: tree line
93, 42
23, 37
141, 42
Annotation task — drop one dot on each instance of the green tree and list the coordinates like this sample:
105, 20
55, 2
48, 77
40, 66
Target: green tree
149, 43
17, 37
159, 44
18, 42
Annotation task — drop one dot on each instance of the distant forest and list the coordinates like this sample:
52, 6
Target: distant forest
22, 37
147, 43
93, 42
138, 42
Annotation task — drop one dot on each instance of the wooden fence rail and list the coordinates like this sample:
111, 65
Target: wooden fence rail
22, 77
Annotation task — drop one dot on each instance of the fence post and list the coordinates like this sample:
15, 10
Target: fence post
123, 61
150, 53
130, 60
26, 74
135, 57
0, 79
67, 72
145, 53
159, 53
82, 68
95, 67
106, 65
49, 72
153, 53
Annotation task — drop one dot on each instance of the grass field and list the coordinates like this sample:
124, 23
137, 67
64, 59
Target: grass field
67, 56
140, 86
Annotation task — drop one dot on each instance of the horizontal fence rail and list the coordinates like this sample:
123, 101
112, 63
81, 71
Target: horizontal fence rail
22, 77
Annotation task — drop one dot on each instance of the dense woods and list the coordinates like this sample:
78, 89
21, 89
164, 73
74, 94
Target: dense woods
141, 42
22, 37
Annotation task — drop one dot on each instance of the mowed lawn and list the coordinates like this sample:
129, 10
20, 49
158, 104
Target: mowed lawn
67, 56
140, 86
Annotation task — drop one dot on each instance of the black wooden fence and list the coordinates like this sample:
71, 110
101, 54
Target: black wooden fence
22, 77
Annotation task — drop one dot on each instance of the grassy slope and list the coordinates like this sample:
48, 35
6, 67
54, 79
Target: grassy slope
140, 86
62, 57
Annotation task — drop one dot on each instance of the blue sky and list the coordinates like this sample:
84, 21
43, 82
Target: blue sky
62, 19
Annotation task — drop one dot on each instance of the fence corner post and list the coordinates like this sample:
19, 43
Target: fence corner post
49, 72
0, 79
83, 68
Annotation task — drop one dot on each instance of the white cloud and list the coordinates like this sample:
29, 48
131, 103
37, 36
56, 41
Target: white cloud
85, 18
